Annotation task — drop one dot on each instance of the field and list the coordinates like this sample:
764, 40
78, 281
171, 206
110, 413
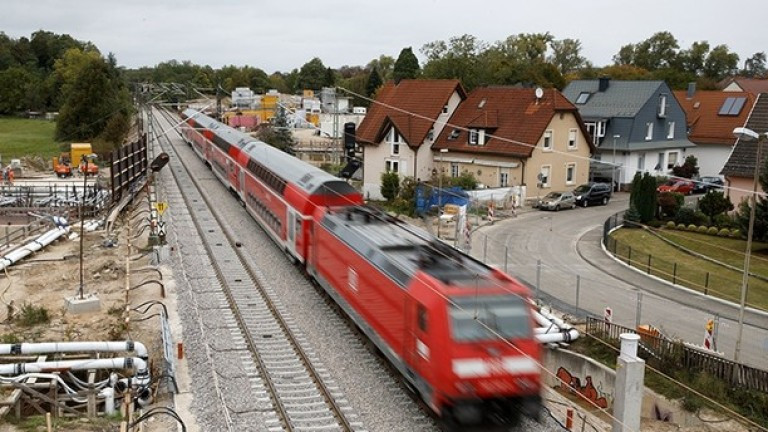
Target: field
24, 137
651, 254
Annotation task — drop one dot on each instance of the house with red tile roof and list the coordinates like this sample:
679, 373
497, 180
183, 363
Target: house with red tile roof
755, 86
400, 127
508, 136
711, 117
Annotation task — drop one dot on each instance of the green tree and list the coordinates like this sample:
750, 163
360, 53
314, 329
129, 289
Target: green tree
330, 78
714, 203
625, 56
689, 168
692, 60
390, 185
656, 52
645, 199
637, 182
278, 134
312, 75
374, 82
384, 64
406, 66
720, 63
754, 66
566, 55
466, 181
16, 83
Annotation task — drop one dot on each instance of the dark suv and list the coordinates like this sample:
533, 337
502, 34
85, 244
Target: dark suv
592, 193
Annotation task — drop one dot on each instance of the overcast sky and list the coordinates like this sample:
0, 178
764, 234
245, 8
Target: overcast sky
282, 35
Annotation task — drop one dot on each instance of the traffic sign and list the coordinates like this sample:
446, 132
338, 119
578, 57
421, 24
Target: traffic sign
161, 207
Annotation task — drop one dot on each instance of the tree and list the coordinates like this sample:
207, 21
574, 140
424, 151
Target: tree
312, 75
689, 168
714, 203
566, 55
670, 203
278, 134
330, 78
637, 182
390, 185
658, 51
720, 63
754, 66
406, 66
645, 199
625, 56
692, 60
374, 82
384, 64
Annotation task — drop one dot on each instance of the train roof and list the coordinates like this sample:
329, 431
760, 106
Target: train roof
400, 250
291, 169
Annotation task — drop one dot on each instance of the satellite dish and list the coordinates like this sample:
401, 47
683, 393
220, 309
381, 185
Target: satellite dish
539, 93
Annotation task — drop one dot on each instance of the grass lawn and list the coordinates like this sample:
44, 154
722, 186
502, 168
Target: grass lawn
24, 137
641, 248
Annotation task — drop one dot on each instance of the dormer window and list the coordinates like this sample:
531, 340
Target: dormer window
454, 134
394, 139
648, 131
583, 98
662, 112
473, 136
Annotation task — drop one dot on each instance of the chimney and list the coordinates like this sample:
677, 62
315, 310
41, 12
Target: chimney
691, 90
603, 84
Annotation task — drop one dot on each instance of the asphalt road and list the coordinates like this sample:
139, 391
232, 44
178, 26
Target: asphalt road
567, 244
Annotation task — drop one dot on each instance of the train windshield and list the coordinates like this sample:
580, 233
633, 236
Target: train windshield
483, 318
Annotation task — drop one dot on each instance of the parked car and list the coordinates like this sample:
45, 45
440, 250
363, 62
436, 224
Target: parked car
557, 200
706, 184
592, 193
684, 187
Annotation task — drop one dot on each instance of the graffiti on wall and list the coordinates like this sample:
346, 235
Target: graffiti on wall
570, 382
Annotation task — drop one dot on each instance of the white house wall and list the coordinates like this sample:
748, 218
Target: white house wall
711, 158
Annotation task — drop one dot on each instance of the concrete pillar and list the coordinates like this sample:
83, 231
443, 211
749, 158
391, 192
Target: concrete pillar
630, 374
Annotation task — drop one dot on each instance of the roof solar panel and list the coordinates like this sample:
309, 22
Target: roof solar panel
738, 104
726, 108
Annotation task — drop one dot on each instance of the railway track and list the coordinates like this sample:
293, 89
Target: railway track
302, 394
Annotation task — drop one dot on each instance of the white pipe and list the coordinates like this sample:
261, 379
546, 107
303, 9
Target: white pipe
33, 246
563, 336
553, 329
109, 400
68, 347
139, 366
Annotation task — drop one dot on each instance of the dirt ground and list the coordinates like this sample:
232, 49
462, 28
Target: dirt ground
45, 279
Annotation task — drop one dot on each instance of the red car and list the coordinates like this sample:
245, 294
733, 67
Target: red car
680, 186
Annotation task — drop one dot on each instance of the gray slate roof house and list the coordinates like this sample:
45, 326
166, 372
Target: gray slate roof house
740, 168
640, 121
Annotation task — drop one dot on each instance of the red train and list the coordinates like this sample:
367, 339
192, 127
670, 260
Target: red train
459, 332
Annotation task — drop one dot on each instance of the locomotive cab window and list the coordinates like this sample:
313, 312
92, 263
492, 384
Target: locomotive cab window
483, 318
421, 313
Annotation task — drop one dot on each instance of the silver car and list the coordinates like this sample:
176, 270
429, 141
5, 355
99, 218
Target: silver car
557, 200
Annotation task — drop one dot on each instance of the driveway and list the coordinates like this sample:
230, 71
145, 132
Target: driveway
562, 251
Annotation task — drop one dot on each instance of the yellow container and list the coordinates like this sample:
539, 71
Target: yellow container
77, 151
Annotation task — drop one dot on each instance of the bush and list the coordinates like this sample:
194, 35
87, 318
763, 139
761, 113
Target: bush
671, 224
693, 227
685, 216
735, 233
31, 315
631, 217
681, 227
712, 231
723, 220
655, 223
724, 232
700, 218
702, 229
465, 181
390, 185
670, 203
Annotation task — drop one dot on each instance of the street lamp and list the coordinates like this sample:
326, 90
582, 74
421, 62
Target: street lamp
613, 169
440, 192
748, 135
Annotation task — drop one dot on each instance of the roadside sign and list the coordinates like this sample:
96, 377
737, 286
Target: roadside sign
161, 207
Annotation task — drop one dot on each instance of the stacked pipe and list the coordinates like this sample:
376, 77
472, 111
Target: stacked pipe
553, 329
33, 246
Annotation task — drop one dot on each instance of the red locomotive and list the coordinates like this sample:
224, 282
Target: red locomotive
459, 332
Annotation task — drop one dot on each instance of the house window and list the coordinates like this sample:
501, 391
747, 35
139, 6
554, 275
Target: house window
671, 130
601, 129
583, 98
473, 137
392, 166
481, 137
548, 140
648, 131
544, 173
572, 139
671, 160
454, 169
662, 105
503, 178
570, 171
641, 162
660, 162
394, 142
